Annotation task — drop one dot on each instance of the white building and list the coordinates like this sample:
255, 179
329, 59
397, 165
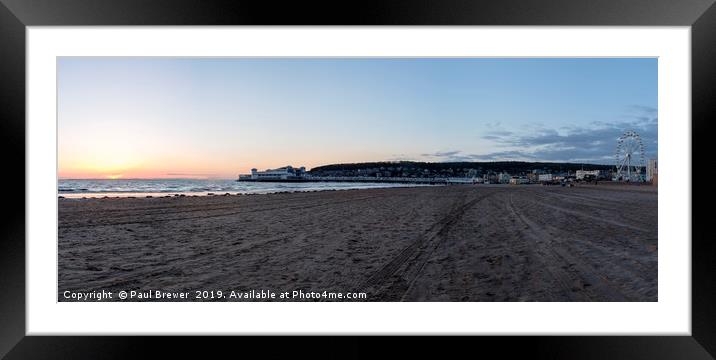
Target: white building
519, 180
544, 177
582, 173
283, 173
651, 169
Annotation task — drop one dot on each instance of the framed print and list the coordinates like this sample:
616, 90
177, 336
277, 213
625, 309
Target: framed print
231, 169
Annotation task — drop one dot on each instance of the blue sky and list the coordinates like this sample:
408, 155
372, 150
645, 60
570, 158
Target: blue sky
215, 117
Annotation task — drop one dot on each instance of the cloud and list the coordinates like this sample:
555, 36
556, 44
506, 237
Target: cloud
441, 154
510, 155
491, 137
594, 143
457, 156
643, 109
501, 132
452, 155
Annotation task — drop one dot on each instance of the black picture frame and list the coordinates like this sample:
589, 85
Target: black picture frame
16, 15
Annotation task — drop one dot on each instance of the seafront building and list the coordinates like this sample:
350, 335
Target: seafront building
651, 170
283, 173
517, 180
581, 174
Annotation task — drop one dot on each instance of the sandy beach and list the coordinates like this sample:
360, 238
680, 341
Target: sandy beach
444, 243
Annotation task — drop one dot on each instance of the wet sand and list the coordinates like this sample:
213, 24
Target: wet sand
445, 243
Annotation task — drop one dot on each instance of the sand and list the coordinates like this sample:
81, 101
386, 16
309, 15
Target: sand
445, 243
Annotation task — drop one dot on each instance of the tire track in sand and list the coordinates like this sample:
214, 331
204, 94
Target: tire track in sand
392, 281
556, 263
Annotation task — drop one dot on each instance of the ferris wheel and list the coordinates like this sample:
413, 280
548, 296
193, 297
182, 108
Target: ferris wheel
630, 157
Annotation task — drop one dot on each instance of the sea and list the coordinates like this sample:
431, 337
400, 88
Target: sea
70, 188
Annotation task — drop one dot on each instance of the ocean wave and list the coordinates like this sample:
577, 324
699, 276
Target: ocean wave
176, 186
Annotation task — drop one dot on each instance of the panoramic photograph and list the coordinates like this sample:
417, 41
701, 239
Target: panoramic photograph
357, 179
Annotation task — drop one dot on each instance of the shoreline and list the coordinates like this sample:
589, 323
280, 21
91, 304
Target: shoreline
171, 194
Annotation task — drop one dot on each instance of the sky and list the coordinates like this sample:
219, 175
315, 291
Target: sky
218, 117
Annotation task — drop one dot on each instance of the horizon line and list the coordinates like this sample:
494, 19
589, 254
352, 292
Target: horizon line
364, 162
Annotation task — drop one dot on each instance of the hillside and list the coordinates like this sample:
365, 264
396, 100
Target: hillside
431, 169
